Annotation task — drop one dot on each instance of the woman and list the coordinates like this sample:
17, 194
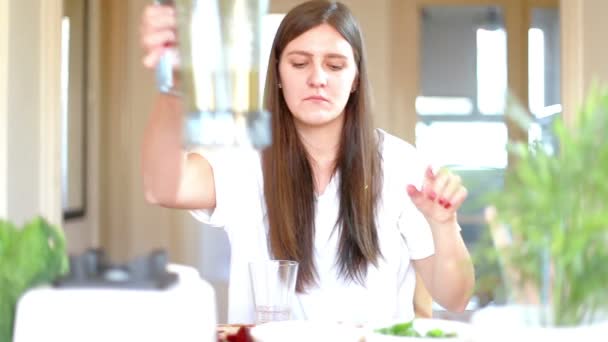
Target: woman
356, 207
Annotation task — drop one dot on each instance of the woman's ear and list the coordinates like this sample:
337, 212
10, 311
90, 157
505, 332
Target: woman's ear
355, 84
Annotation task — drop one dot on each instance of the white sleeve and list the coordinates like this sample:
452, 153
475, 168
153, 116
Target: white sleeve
417, 233
229, 168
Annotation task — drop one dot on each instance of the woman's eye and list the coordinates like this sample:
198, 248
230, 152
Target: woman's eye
335, 67
298, 65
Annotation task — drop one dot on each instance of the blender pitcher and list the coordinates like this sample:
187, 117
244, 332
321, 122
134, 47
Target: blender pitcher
219, 78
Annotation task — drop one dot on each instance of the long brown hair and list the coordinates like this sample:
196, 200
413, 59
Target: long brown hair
288, 176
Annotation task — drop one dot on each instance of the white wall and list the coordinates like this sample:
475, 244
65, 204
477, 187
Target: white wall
595, 48
23, 112
4, 84
584, 49
30, 108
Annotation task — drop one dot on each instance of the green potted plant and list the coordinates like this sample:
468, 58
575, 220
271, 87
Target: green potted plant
550, 230
29, 256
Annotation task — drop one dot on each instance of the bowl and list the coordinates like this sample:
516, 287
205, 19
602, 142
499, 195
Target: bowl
462, 331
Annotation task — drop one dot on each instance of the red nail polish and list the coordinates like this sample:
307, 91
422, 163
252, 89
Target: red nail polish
441, 202
432, 195
447, 205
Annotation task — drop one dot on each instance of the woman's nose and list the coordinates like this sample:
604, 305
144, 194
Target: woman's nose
317, 77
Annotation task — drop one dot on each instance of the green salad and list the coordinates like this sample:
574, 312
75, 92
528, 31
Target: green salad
407, 329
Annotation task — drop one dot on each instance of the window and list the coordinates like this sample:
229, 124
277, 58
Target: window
439, 105
73, 108
463, 86
473, 145
491, 70
544, 75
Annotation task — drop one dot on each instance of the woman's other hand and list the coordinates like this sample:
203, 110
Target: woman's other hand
441, 196
157, 33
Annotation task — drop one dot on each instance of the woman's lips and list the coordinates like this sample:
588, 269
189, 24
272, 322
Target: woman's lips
316, 98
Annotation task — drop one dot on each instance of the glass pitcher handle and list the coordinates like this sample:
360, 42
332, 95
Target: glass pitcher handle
164, 68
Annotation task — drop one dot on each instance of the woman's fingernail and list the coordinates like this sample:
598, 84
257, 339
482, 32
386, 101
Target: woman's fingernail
432, 195
411, 190
447, 205
429, 172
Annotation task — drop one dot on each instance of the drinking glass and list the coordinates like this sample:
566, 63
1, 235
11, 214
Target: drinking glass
273, 283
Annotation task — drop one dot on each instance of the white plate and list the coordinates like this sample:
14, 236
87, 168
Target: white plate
306, 331
422, 325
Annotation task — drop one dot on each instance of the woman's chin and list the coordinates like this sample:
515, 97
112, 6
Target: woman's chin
318, 119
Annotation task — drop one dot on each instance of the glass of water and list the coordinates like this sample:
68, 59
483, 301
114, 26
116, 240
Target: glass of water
273, 283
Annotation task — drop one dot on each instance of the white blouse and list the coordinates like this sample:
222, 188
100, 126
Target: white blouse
403, 233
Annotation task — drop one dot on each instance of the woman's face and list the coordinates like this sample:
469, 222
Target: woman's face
317, 73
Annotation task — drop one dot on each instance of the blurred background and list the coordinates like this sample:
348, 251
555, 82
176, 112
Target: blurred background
74, 99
